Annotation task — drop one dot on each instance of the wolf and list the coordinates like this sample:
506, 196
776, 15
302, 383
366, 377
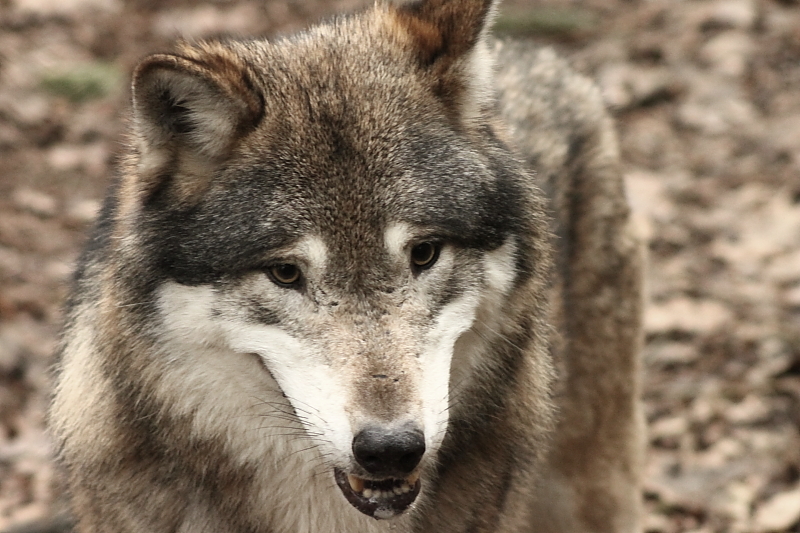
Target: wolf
379, 275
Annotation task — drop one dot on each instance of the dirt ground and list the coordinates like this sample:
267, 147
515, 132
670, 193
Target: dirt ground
707, 97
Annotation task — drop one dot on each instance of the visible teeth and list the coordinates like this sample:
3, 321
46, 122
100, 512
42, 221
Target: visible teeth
356, 483
368, 489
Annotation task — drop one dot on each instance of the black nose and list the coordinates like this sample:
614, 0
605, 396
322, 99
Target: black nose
389, 452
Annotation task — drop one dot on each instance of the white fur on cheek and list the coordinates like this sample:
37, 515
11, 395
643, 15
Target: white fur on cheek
186, 313
499, 268
206, 369
460, 336
455, 318
304, 377
302, 374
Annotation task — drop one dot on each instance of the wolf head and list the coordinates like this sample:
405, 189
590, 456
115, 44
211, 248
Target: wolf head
337, 207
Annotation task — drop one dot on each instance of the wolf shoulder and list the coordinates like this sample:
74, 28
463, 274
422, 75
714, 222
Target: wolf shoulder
552, 114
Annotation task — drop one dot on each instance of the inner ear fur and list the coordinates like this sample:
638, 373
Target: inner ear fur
449, 40
190, 108
445, 30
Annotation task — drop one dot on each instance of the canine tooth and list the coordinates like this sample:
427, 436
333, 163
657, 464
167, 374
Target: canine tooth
398, 490
405, 489
356, 483
412, 479
367, 493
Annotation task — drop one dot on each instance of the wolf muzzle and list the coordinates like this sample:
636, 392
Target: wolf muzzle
390, 457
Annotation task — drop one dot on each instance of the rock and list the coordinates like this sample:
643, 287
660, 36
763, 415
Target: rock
68, 157
778, 513
11, 356
751, 410
647, 194
10, 136
34, 201
669, 427
671, 353
82, 212
728, 53
66, 7
208, 20
734, 501
717, 116
792, 297
686, 315
26, 110
739, 14
625, 86
785, 268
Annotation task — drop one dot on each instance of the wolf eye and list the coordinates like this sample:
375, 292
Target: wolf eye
425, 254
284, 274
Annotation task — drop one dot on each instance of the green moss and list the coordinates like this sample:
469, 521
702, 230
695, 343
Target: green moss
546, 21
85, 82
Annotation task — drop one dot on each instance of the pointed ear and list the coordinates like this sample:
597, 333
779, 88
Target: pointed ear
450, 39
190, 109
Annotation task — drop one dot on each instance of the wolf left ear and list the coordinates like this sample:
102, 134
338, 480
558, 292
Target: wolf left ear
190, 109
450, 37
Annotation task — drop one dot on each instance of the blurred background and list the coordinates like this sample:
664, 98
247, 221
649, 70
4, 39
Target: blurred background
707, 97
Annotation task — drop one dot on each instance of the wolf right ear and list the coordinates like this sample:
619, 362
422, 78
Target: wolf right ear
450, 39
193, 106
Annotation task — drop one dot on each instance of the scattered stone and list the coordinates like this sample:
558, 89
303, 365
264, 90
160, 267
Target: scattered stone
734, 501
686, 315
778, 513
751, 410
65, 7
36, 202
670, 353
82, 212
68, 157
625, 86
729, 53
208, 20
670, 427
792, 297
740, 14
785, 268
716, 116
648, 194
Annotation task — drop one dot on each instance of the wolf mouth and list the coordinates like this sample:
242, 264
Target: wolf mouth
381, 499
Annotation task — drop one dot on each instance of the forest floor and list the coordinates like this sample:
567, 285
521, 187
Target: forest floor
707, 98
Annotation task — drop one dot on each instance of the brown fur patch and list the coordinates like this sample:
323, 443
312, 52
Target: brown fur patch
191, 110
444, 28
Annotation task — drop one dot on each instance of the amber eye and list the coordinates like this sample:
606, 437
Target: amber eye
284, 274
425, 254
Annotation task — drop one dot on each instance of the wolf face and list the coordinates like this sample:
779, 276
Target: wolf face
344, 235
312, 254
368, 372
